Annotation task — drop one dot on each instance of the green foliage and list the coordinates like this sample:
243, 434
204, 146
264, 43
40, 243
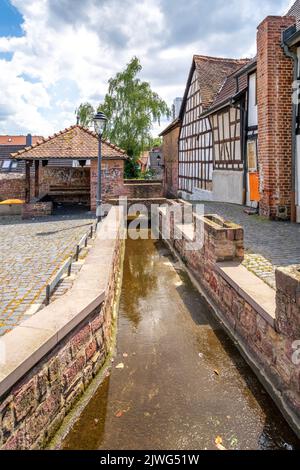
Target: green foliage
85, 113
155, 142
132, 169
131, 107
147, 175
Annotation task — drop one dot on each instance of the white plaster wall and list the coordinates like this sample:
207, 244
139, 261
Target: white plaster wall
228, 186
197, 195
201, 195
252, 106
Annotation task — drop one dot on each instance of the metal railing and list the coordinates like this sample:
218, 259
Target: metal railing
67, 266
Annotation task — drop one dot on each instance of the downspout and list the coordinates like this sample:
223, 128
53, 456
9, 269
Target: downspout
294, 57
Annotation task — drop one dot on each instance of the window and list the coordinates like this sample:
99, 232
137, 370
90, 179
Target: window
6, 164
14, 165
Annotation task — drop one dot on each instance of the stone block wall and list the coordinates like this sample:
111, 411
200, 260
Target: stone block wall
269, 345
274, 101
34, 408
12, 186
37, 209
288, 301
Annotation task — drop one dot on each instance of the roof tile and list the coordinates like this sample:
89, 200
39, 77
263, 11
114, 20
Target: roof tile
75, 142
212, 72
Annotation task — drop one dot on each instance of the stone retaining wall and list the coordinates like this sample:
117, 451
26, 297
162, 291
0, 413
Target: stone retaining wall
52, 358
264, 326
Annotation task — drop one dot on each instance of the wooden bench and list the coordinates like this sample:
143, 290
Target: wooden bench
58, 190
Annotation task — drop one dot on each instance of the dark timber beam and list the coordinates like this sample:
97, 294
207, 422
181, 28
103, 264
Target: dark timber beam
36, 178
27, 181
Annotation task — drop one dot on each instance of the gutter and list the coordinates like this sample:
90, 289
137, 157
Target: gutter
292, 55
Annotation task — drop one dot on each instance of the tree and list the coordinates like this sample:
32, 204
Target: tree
85, 114
131, 107
155, 142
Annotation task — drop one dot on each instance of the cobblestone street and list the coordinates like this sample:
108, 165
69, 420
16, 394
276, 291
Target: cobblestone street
31, 252
268, 243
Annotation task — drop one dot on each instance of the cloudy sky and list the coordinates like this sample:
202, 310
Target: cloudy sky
55, 54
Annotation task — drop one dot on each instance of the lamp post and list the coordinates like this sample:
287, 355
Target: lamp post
99, 125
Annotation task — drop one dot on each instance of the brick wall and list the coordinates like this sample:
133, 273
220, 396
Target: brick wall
33, 410
170, 154
143, 189
274, 99
114, 185
268, 345
112, 180
12, 186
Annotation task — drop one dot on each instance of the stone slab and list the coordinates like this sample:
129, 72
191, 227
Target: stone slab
258, 294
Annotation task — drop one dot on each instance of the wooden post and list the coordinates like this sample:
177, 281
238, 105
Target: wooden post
36, 178
27, 181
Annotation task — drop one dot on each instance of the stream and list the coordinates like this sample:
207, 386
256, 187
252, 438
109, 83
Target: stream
177, 381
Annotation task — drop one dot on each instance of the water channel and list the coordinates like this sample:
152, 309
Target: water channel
178, 381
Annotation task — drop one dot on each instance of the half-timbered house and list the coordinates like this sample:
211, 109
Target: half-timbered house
233, 118
207, 144
239, 137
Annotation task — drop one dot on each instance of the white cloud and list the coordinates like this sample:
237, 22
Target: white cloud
70, 49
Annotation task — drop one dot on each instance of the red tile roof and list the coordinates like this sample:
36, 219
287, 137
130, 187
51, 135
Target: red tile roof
295, 10
17, 139
212, 72
235, 83
75, 142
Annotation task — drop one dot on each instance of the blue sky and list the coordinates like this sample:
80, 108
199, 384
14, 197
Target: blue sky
10, 20
55, 54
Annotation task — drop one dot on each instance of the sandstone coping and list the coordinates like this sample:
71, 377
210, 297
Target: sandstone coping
251, 288
288, 301
28, 343
10, 209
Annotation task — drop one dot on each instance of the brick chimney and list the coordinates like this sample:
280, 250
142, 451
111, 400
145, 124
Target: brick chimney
274, 100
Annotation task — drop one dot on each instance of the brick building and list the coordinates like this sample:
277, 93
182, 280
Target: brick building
12, 179
239, 137
170, 154
62, 183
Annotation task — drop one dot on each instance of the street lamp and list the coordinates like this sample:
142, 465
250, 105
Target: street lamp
99, 125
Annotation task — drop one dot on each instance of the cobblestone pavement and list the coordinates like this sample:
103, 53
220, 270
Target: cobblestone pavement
31, 252
268, 243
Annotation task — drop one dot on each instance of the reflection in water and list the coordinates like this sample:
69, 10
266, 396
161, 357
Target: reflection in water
140, 279
183, 383
95, 419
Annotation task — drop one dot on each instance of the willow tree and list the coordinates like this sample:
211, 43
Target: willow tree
131, 107
85, 113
